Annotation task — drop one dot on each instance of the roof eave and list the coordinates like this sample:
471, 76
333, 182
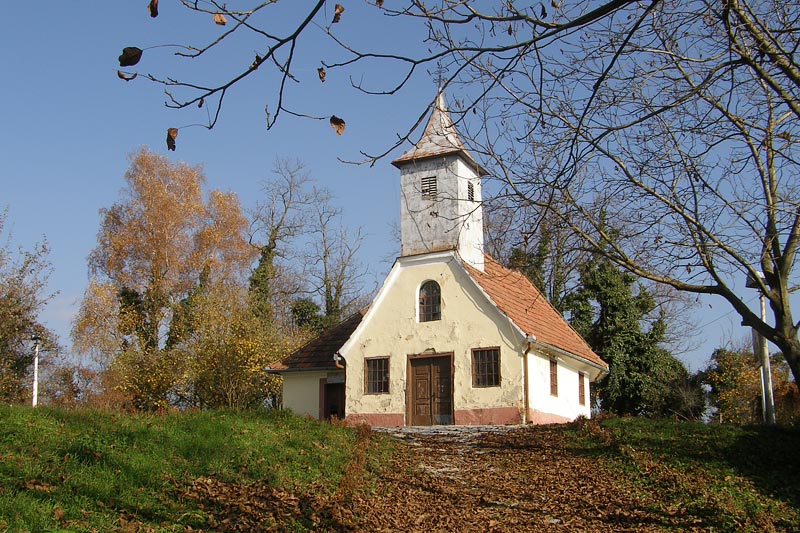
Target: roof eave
409, 159
295, 370
555, 350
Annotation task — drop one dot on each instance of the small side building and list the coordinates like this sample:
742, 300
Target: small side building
452, 337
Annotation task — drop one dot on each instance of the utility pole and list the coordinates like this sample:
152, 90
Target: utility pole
762, 359
36, 341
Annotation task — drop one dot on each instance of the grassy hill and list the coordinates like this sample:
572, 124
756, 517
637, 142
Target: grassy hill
89, 470
244, 471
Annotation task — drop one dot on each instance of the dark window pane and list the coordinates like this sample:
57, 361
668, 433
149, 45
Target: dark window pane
430, 302
377, 375
486, 367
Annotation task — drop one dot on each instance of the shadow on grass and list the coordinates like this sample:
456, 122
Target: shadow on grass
682, 456
770, 458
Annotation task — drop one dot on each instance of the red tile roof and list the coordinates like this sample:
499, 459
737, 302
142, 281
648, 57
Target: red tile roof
318, 354
521, 301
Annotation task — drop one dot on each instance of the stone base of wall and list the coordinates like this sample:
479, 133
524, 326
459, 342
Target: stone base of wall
495, 416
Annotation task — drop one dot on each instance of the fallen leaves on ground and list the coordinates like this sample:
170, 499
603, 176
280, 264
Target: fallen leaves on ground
506, 479
521, 479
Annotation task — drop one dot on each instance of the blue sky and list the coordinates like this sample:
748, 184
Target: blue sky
68, 125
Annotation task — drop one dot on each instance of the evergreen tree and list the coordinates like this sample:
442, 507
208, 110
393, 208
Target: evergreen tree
644, 378
261, 292
548, 258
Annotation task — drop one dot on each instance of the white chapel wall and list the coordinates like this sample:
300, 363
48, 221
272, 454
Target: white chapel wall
467, 322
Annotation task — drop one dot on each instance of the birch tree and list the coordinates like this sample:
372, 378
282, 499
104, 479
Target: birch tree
154, 247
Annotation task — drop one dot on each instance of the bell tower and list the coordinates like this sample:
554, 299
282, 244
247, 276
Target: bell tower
440, 193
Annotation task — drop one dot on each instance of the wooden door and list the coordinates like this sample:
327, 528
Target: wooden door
431, 389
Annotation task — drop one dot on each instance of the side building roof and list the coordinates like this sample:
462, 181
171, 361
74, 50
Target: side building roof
318, 353
521, 301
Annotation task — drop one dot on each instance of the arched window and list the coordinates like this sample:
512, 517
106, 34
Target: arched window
430, 302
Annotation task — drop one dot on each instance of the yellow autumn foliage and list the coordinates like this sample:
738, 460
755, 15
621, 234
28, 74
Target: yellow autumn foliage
228, 352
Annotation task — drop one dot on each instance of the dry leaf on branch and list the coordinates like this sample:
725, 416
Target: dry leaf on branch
337, 124
200, 103
337, 13
130, 56
172, 134
220, 19
153, 7
321, 73
127, 77
256, 62
379, 3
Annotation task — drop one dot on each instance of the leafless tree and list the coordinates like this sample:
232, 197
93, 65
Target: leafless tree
665, 129
333, 268
662, 135
278, 222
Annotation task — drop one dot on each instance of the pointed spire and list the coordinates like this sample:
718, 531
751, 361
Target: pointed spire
440, 138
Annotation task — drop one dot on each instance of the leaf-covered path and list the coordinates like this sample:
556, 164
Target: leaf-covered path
579, 477
506, 479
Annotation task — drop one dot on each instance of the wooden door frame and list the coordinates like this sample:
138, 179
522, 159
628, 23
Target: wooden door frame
323, 398
409, 389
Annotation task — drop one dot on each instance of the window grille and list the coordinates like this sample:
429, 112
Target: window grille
430, 302
377, 375
553, 377
486, 367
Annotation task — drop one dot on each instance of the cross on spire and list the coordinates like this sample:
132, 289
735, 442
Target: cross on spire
440, 71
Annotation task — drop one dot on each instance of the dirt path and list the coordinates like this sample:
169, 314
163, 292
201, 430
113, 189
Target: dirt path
501, 479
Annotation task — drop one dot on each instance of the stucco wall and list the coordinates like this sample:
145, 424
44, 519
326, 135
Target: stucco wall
447, 222
566, 404
391, 328
470, 243
301, 392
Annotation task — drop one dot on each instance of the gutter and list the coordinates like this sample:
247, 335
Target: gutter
529, 340
295, 370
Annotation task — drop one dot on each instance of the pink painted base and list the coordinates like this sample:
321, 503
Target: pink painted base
493, 416
465, 417
377, 420
537, 417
